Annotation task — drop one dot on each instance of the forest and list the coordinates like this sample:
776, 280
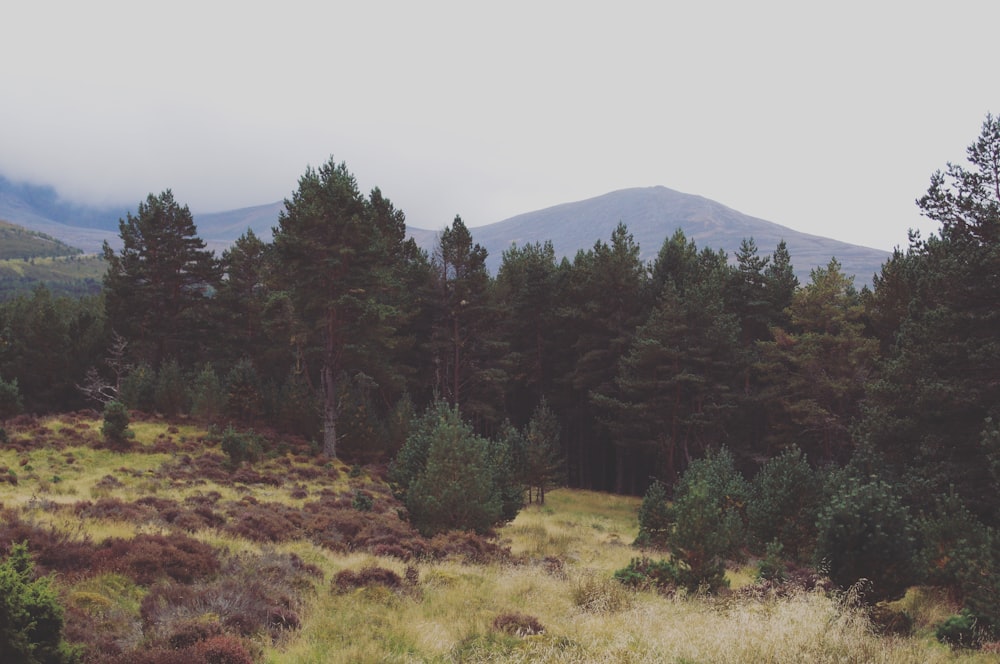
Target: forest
813, 417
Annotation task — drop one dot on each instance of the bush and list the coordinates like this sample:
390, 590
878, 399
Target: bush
784, 498
346, 580
980, 585
149, 558
517, 624
447, 476
31, 618
115, 428
707, 515
10, 400
655, 520
207, 398
952, 541
865, 532
244, 399
960, 631
170, 394
240, 447
138, 388
644, 573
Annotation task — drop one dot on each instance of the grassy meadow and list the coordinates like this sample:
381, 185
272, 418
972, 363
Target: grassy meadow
163, 548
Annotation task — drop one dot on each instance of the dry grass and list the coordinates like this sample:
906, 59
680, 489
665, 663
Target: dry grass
446, 610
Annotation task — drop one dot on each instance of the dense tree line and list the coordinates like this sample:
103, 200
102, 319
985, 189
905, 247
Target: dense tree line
342, 330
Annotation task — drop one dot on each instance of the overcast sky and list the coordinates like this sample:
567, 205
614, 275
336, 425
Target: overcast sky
825, 117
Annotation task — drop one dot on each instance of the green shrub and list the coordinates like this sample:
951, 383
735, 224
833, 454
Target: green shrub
960, 631
170, 393
115, 428
643, 573
244, 397
446, 475
952, 541
241, 446
207, 398
784, 499
362, 501
31, 618
772, 566
10, 399
865, 532
707, 516
655, 519
979, 581
138, 388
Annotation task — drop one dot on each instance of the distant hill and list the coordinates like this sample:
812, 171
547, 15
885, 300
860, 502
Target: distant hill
19, 242
29, 259
651, 213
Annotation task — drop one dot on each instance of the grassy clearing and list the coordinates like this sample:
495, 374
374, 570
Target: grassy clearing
443, 608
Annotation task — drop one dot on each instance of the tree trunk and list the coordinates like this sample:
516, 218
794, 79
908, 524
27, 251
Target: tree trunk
329, 412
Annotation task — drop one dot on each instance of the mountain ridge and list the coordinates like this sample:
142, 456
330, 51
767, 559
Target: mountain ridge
652, 215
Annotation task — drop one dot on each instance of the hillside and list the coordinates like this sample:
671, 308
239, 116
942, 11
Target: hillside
19, 242
29, 258
651, 213
166, 553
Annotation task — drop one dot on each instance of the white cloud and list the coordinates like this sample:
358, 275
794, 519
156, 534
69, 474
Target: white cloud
827, 119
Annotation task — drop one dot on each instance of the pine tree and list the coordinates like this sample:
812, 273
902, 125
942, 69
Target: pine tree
938, 309
335, 262
157, 285
467, 348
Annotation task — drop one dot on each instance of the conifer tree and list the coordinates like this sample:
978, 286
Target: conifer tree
157, 285
335, 262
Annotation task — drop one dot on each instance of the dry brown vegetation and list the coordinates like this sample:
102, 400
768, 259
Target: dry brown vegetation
165, 553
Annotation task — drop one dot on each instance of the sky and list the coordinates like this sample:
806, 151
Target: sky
828, 118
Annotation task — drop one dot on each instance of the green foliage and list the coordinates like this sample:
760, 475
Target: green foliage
936, 307
644, 573
138, 388
784, 498
543, 460
47, 343
952, 541
298, 410
10, 399
157, 285
207, 397
979, 581
772, 566
244, 399
339, 258
115, 428
707, 512
655, 517
241, 446
448, 477
813, 374
412, 457
865, 532
170, 393
961, 630
362, 501
31, 618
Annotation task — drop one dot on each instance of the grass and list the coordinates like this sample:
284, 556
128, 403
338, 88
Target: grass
559, 573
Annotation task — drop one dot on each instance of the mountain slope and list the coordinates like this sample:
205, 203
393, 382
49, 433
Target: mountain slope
19, 242
652, 214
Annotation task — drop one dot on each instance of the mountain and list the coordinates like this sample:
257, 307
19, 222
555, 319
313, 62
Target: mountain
18, 242
652, 214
